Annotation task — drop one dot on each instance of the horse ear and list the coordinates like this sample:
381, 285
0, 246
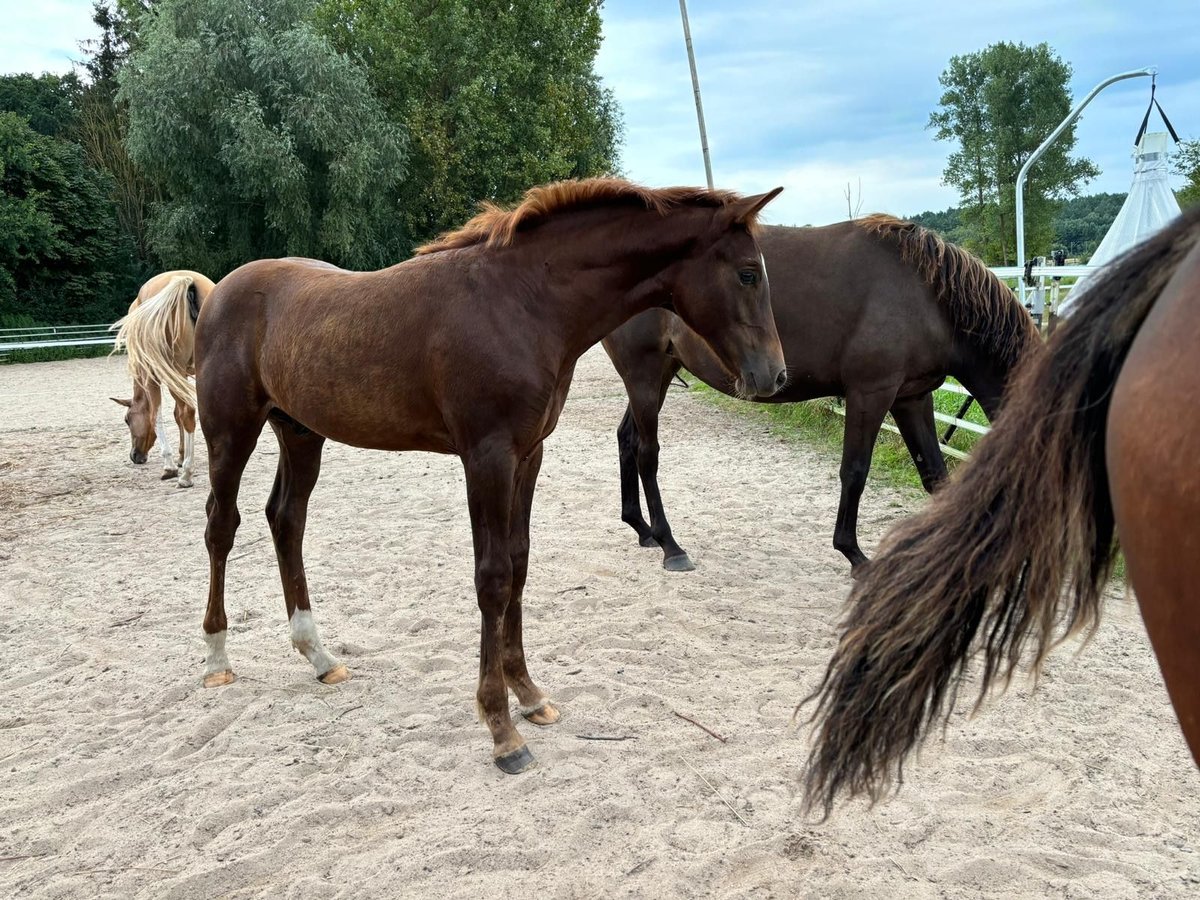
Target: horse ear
742, 212
128, 403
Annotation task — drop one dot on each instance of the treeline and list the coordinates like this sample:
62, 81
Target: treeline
1078, 225
204, 133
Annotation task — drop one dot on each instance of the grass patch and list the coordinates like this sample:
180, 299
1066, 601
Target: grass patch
815, 423
54, 354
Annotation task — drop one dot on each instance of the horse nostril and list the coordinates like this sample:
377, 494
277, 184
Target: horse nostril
781, 379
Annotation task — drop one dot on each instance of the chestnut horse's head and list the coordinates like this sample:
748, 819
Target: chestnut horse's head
721, 290
140, 414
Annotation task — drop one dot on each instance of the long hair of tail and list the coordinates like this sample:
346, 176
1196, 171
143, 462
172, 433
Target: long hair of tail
1013, 552
159, 337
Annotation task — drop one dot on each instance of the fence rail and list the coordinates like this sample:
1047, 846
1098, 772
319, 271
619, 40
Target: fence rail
54, 336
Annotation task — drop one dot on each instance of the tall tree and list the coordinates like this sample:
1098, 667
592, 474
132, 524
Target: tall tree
496, 96
1187, 164
62, 257
266, 140
998, 105
50, 102
103, 120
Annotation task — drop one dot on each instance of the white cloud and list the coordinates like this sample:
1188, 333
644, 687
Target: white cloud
43, 36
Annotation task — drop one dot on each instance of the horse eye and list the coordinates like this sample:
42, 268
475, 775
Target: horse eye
748, 277
126, 418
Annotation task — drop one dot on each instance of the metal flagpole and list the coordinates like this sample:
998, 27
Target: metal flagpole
687, 36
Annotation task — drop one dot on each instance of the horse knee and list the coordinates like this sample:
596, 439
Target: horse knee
493, 583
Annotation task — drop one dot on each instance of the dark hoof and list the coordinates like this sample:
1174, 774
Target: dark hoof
859, 569
681, 563
647, 541
168, 474
516, 762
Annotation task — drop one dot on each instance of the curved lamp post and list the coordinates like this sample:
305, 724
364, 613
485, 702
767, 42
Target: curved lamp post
1062, 126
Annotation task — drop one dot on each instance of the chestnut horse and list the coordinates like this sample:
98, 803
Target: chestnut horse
159, 335
1096, 435
878, 311
469, 349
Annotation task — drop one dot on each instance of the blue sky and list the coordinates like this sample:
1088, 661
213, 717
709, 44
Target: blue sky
814, 95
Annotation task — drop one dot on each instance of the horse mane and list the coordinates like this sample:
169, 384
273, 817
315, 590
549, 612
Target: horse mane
980, 304
496, 226
159, 337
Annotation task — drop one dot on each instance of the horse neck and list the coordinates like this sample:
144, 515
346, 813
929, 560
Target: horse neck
602, 269
984, 376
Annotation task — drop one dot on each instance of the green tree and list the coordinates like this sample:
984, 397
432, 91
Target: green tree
998, 105
50, 102
264, 139
496, 96
1187, 164
62, 257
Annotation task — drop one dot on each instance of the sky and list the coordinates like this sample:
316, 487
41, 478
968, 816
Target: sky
815, 95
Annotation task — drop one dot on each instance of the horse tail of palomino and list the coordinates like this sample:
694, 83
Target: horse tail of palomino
159, 335
1013, 552
981, 306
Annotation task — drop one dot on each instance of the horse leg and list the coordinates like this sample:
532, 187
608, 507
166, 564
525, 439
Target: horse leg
287, 513
645, 400
230, 444
185, 418
534, 704
491, 477
631, 502
864, 417
918, 427
170, 468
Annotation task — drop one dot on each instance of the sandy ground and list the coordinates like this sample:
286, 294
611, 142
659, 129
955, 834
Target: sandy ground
121, 776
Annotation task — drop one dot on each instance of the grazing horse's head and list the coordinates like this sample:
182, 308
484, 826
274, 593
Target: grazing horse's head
139, 416
720, 289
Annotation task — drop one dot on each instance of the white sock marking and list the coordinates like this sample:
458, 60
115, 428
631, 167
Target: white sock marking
164, 443
216, 661
305, 639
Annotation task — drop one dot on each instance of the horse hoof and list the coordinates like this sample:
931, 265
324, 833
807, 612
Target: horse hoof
219, 679
647, 541
184, 484
336, 675
681, 563
545, 713
168, 474
859, 569
516, 762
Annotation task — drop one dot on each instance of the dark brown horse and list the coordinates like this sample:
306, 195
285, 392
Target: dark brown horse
878, 311
469, 349
1098, 433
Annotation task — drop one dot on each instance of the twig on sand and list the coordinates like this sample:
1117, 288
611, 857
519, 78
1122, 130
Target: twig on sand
128, 621
4, 859
715, 791
901, 868
606, 737
246, 547
125, 869
701, 727
345, 712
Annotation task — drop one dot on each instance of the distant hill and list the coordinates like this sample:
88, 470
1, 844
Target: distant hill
1079, 227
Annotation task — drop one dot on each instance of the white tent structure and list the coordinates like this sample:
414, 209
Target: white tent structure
1151, 204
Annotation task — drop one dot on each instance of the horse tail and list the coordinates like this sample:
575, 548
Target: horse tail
984, 565
159, 336
981, 306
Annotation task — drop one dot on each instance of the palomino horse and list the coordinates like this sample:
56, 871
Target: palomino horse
159, 336
469, 349
1098, 432
878, 311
